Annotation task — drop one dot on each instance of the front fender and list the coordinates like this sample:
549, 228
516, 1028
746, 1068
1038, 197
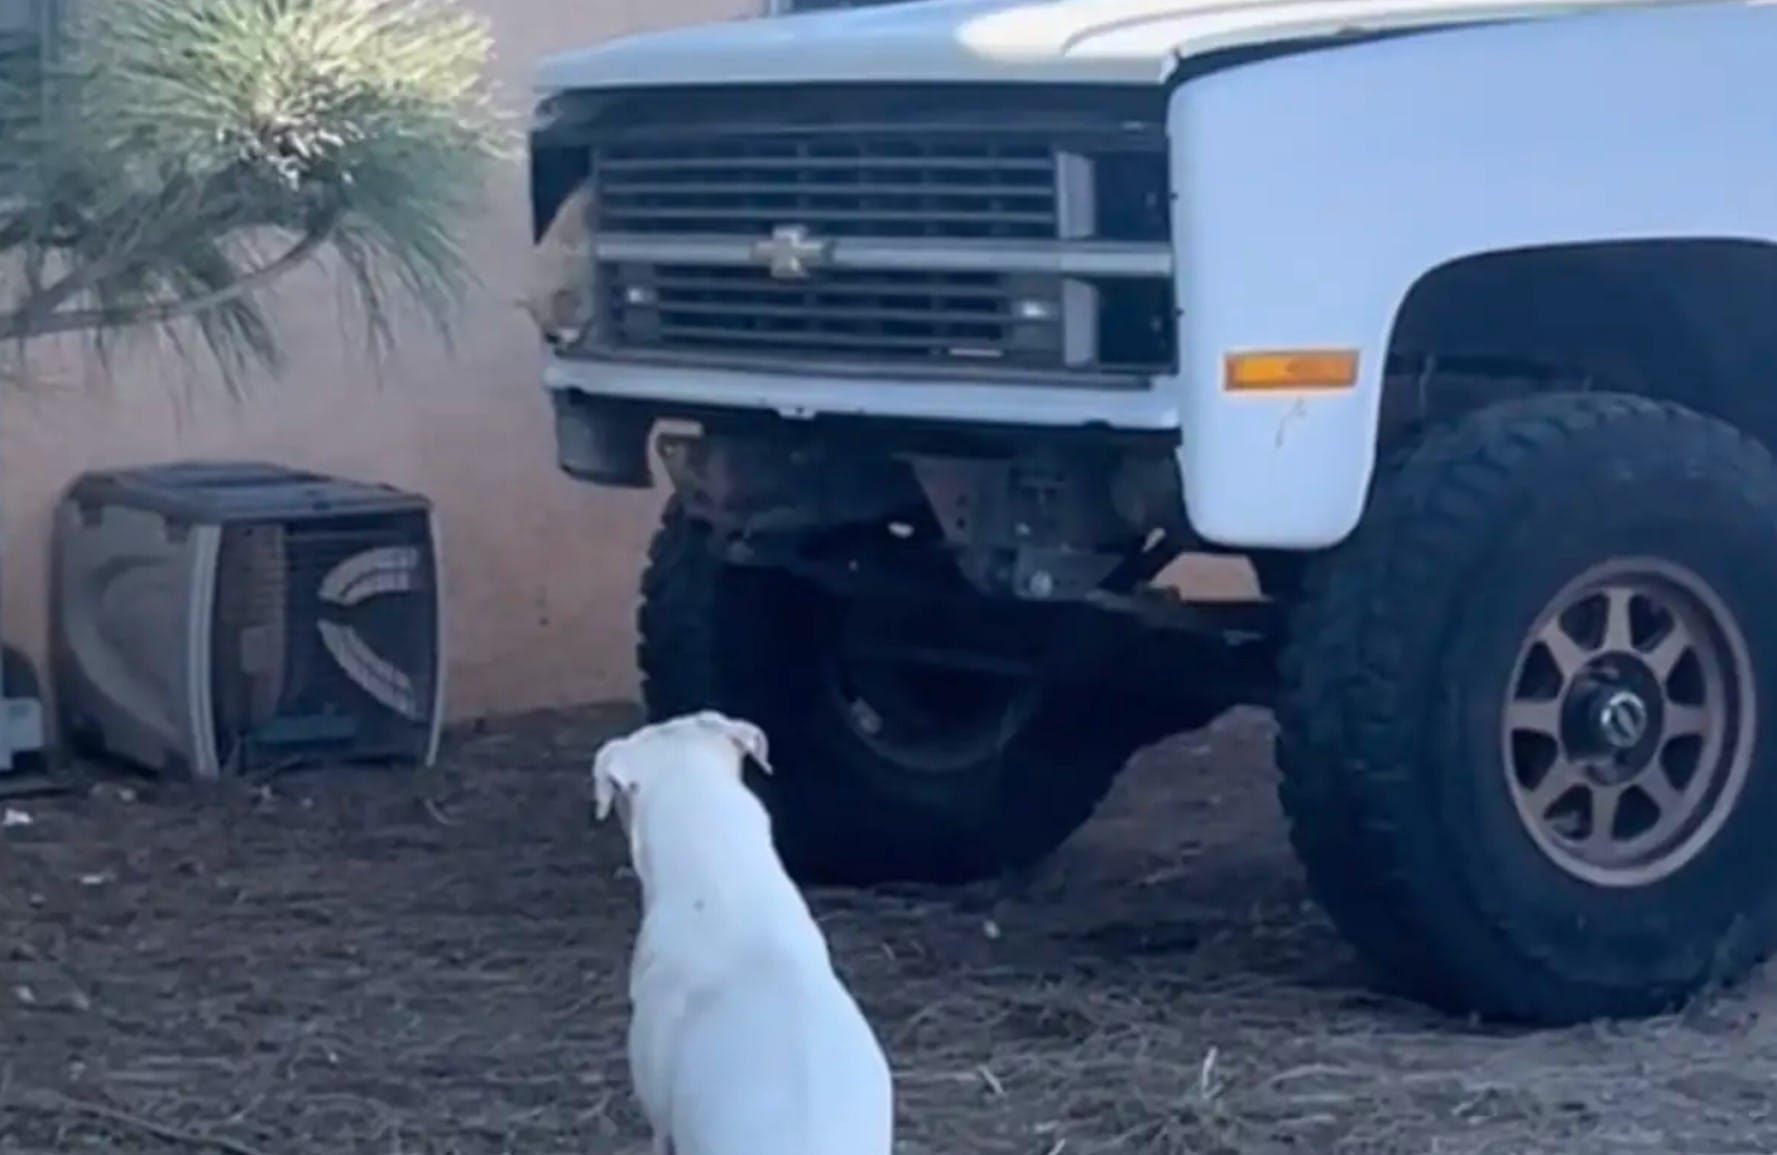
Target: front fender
1313, 190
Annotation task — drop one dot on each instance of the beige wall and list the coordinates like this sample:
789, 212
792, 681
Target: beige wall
541, 571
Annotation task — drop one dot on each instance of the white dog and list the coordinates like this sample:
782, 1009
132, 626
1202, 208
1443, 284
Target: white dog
743, 1040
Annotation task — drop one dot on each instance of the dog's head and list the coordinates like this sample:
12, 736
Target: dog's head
624, 766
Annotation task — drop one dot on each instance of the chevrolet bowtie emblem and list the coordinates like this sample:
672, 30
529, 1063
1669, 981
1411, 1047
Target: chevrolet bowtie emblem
791, 253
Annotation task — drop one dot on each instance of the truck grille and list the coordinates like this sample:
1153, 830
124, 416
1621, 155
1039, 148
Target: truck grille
878, 316
1016, 231
889, 184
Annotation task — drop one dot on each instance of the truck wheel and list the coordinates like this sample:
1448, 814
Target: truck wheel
1523, 754
881, 774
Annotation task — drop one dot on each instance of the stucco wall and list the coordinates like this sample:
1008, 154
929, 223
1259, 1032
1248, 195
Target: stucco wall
541, 571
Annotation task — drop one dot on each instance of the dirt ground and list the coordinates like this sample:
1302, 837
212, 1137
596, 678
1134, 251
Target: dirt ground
377, 961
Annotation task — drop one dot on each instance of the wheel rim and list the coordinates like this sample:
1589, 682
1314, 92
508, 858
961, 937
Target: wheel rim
1628, 725
926, 703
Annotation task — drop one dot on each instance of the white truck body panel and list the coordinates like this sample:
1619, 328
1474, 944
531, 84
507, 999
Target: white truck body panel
1047, 41
1312, 190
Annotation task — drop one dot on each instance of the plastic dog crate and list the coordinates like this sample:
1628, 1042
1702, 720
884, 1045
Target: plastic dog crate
212, 618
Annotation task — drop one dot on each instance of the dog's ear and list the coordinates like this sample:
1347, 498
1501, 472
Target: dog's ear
749, 739
610, 775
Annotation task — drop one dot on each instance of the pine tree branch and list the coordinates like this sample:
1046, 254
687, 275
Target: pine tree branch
32, 321
131, 247
182, 130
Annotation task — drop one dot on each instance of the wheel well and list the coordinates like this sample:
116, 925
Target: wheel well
1681, 320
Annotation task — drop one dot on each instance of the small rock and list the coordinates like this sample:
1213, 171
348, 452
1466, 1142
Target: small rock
11, 818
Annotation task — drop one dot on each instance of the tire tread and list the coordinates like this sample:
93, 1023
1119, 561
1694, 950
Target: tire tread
1345, 785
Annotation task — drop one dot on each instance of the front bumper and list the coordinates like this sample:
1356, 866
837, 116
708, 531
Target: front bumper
606, 410
649, 392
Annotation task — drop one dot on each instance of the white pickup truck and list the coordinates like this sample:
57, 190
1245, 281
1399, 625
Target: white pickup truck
954, 323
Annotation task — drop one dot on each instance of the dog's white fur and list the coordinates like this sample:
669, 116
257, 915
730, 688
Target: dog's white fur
743, 1040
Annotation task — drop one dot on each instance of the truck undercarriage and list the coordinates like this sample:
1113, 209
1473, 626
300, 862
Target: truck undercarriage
1010, 551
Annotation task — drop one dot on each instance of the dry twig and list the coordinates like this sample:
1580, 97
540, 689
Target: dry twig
61, 1105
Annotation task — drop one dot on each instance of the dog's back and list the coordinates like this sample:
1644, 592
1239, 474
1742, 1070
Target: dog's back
714, 884
780, 1060
743, 1039
740, 1018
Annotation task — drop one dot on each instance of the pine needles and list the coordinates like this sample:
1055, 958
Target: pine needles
171, 159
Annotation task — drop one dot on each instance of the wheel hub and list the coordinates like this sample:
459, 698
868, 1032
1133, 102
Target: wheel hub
1627, 732
1620, 719
912, 689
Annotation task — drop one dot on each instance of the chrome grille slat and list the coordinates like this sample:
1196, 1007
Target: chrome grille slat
752, 288
912, 181
823, 339
638, 218
739, 306
617, 164
807, 188
919, 317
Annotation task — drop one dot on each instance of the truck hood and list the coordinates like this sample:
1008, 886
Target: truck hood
1030, 41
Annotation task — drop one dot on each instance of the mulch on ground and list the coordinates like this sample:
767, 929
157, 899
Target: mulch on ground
388, 962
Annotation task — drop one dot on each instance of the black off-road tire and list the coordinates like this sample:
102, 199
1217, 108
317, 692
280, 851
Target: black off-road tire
1404, 647
751, 642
